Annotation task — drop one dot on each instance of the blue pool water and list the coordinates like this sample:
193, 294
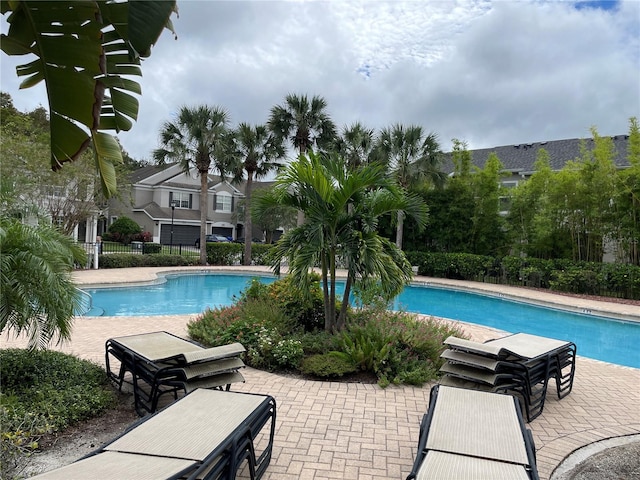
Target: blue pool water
596, 337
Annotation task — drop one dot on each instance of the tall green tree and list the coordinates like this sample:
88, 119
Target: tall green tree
272, 218
488, 233
356, 143
531, 228
322, 188
302, 123
68, 196
258, 156
597, 189
412, 158
38, 295
89, 48
627, 200
197, 139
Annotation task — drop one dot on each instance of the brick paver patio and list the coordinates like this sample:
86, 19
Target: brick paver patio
332, 430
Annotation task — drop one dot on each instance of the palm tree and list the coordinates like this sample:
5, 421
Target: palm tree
303, 123
195, 140
38, 295
412, 158
322, 187
259, 154
95, 69
356, 144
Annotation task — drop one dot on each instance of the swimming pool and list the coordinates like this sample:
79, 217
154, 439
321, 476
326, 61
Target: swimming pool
596, 337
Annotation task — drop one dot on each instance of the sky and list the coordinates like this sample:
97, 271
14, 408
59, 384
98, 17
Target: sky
489, 73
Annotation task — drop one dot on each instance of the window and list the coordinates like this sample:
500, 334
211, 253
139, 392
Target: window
505, 200
181, 199
223, 202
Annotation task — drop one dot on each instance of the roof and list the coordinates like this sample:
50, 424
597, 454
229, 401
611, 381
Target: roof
521, 157
156, 212
146, 172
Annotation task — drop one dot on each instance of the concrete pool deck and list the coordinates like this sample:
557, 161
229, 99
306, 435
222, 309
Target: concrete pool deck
333, 430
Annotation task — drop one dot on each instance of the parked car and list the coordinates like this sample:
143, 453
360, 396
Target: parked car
253, 240
212, 239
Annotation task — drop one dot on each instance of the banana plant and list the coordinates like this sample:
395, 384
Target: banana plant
84, 52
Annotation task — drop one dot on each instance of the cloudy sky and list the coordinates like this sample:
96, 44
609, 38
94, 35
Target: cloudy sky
488, 72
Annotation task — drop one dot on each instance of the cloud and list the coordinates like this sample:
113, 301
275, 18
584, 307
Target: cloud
488, 72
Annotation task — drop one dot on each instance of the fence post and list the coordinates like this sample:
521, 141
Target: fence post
95, 255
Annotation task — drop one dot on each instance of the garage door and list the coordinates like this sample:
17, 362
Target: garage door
182, 234
224, 231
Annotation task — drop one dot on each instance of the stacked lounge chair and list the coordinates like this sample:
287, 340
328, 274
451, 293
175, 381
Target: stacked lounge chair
160, 363
473, 435
519, 364
208, 434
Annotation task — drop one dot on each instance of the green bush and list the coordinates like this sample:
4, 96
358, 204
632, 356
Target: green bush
224, 253
396, 346
367, 346
45, 391
151, 248
319, 342
611, 279
327, 365
259, 253
576, 280
260, 326
127, 260
19, 439
123, 230
305, 307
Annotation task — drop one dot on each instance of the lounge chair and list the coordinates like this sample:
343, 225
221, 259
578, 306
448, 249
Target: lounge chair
161, 363
469, 434
122, 465
562, 355
519, 364
206, 434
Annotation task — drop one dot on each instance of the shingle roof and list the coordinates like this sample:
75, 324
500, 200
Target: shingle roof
157, 212
521, 157
145, 172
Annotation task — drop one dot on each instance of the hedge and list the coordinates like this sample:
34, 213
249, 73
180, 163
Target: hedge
608, 279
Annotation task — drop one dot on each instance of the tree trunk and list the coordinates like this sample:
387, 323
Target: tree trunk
332, 291
399, 229
248, 222
342, 318
204, 184
328, 322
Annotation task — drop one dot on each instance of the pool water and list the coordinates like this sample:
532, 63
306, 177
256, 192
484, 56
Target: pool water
596, 337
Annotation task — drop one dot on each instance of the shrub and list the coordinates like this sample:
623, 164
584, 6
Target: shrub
224, 253
151, 248
288, 353
45, 391
396, 346
576, 280
144, 237
260, 253
19, 437
319, 342
126, 260
261, 327
367, 346
305, 307
123, 230
327, 365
